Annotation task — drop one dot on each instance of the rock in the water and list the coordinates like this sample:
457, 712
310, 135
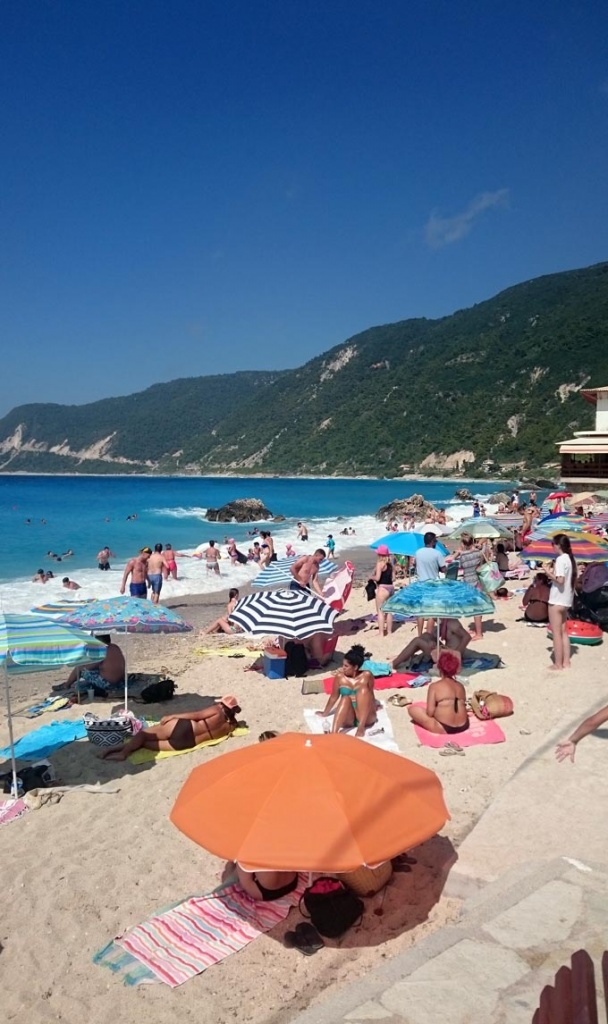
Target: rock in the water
464, 494
243, 510
279, 519
415, 506
500, 498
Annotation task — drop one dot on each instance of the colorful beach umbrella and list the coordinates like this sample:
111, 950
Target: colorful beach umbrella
31, 644
572, 526
59, 607
280, 572
482, 527
406, 543
441, 599
585, 548
289, 613
126, 615
310, 803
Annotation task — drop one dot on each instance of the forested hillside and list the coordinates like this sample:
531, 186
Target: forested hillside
485, 389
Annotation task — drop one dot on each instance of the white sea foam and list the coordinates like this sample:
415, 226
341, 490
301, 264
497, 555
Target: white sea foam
20, 595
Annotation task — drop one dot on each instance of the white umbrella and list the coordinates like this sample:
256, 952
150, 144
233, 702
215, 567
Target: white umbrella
290, 613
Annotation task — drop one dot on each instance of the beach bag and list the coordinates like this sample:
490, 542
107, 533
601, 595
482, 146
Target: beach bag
486, 704
331, 906
156, 693
108, 732
296, 662
370, 589
490, 577
34, 776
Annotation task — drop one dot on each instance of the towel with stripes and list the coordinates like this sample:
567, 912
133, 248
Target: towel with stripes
180, 943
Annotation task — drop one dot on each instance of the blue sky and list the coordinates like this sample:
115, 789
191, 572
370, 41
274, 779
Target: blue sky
192, 187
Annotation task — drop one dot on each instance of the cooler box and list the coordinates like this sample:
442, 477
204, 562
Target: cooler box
274, 664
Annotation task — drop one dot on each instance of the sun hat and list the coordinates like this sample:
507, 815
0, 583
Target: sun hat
229, 702
382, 550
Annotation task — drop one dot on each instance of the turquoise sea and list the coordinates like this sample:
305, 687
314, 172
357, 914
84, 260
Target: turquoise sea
39, 514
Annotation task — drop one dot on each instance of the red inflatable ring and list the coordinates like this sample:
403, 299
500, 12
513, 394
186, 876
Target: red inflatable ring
582, 632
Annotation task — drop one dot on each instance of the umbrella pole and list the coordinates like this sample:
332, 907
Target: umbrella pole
438, 621
126, 674
14, 787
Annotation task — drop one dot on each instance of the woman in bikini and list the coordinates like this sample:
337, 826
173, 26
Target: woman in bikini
182, 732
383, 577
446, 708
352, 701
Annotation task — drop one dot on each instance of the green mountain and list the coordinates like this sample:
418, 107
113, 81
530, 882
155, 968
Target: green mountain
487, 389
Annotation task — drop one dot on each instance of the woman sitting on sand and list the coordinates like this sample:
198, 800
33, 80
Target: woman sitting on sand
536, 600
352, 701
222, 625
182, 732
446, 707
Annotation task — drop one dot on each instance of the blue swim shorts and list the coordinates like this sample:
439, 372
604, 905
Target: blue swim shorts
138, 590
156, 582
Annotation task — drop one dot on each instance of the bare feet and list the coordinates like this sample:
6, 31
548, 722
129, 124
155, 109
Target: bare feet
555, 668
476, 636
114, 755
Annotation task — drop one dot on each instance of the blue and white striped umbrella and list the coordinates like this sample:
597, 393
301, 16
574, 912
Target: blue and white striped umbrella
32, 644
289, 613
280, 572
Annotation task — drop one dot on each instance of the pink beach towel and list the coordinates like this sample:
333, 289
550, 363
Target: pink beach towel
479, 733
397, 681
12, 809
184, 941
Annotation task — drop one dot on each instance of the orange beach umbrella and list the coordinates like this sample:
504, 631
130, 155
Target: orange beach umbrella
310, 803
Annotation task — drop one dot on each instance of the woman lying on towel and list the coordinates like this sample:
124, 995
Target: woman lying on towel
446, 706
352, 701
182, 732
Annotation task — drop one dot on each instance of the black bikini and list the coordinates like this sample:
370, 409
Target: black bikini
453, 728
274, 894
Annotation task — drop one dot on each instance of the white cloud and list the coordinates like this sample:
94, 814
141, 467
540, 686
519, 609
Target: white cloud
440, 231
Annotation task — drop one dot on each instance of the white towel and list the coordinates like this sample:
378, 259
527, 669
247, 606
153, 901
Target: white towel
380, 734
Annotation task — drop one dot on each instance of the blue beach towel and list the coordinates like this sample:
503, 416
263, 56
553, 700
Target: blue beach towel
43, 741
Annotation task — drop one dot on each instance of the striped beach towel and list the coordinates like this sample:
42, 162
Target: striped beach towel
180, 943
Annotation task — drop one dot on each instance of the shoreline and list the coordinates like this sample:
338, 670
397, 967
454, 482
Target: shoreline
268, 476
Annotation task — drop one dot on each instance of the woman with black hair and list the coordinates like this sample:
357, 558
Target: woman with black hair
352, 701
563, 578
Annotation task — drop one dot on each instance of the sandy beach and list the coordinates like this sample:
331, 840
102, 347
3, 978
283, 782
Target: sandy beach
79, 872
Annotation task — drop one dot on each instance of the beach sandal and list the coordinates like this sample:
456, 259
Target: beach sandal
305, 939
451, 750
399, 700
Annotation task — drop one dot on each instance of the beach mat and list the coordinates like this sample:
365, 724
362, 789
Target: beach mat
143, 756
398, 681
52, 703
48, 738
184, 941
471, 664
380, 734
479, 733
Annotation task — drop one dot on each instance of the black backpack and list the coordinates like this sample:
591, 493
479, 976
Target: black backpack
296, 662
156, 693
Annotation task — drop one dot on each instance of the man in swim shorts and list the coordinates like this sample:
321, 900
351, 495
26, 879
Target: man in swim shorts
107, 673
137, 569
156, 565
305, 572
103, 558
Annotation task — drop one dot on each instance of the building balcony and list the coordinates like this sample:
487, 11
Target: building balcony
585, 466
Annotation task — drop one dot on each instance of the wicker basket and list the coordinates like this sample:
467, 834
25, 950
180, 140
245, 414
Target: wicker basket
368, 881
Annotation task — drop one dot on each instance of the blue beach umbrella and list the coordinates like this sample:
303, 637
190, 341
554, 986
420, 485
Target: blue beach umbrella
280, 572
32, 644
405, 543
439, 599
126, 615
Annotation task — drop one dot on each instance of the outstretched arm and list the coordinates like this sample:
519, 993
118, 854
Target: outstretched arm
567, 749
332, 700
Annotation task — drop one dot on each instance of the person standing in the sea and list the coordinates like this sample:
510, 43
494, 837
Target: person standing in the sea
137, 569
302, 532
103, 558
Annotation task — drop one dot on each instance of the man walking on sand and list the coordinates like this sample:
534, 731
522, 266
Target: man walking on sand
305, 572
137, 569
